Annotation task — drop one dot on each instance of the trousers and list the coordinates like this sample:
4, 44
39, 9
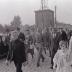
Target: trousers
18, 67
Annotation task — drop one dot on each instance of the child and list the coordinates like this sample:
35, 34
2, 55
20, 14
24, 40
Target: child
60, 59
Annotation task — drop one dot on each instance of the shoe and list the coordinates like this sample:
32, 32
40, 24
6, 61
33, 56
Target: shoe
51, 67
38, 65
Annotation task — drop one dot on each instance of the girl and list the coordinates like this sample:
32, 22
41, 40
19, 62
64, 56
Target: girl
61, 63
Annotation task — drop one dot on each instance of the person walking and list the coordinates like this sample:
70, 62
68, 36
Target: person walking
17, 52
39, 46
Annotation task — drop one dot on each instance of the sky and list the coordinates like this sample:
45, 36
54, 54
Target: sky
26, 10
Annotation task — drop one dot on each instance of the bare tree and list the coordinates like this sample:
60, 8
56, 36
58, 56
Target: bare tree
1, 28
16, 22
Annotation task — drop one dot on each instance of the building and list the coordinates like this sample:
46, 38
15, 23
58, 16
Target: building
44, 18
64, 26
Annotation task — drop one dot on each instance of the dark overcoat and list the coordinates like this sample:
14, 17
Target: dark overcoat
17, 52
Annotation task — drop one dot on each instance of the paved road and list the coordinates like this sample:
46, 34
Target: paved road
31, 67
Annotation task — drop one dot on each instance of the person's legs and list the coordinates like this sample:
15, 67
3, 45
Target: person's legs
32, 54
18, 67
38, 61
52, 61
39, 57
52, 56
40, 49
49, 51
42, 57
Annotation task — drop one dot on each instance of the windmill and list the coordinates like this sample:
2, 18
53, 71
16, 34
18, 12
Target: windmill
44, 17
44, 6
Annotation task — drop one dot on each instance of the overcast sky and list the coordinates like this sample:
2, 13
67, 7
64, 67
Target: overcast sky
26, 8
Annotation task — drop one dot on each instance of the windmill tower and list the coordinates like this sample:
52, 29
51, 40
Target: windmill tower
43, 7
44, 17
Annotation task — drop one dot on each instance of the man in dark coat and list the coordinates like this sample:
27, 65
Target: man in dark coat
17, 52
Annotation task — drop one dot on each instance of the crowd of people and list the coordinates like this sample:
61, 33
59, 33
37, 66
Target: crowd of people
61, 57
59, 44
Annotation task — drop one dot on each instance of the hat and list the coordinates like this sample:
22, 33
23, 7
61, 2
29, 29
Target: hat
21, 36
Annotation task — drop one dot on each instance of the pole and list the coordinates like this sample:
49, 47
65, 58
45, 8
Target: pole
42, 3
55, 17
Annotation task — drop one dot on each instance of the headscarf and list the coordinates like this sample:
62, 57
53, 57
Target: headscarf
21, 36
